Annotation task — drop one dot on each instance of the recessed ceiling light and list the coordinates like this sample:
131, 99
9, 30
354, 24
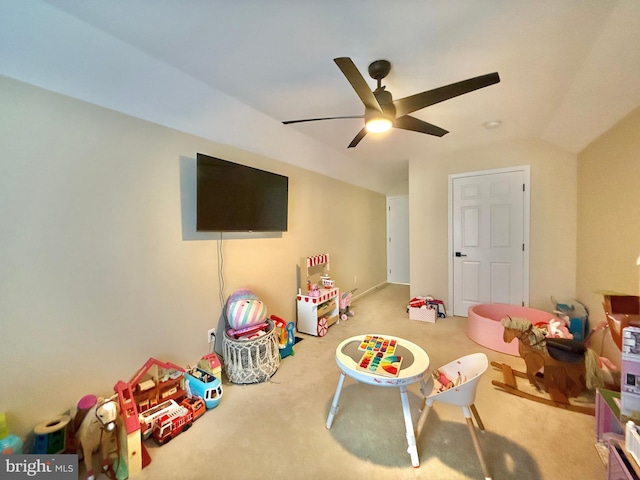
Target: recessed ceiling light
492, 124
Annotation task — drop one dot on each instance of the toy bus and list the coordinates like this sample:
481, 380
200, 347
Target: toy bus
205, 385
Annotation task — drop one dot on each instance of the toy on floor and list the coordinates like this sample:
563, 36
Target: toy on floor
51, 436
428, 302
134, 455
438, 305
569, 366
176, 420
9, 443
345, 305
200, 383
95, 426
211, 363
286, 339
155, 382
149, 418
196, 405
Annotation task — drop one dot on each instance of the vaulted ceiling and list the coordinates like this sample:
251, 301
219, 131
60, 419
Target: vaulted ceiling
569, 69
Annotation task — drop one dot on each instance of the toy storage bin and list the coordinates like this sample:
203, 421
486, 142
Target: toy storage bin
423, 314
576, 316
254, 360
425, 309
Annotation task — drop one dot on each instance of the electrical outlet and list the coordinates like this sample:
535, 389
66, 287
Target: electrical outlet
211, 335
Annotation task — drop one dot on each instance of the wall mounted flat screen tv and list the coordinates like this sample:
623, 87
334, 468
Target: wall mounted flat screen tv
237, 198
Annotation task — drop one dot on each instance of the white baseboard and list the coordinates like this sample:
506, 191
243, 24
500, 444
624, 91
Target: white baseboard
375, 288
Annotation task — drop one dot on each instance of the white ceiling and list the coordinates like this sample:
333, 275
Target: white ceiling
570, 69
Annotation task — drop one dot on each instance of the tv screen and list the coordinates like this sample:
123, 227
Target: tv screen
236, 198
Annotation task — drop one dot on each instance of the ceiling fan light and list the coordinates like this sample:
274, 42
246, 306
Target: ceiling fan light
378, 125
376, 121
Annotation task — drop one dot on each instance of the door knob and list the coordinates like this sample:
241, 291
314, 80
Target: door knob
460, 254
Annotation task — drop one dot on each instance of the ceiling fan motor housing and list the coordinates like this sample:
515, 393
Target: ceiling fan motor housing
386, 102
371, 114
379, 69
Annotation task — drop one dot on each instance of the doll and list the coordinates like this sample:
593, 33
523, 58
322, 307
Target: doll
443, 380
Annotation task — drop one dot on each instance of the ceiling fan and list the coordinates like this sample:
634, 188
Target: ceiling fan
381, 112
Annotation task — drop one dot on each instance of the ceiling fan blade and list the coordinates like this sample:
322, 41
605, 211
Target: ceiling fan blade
416, 125
421, 100
358, 82
358, 137
323, 118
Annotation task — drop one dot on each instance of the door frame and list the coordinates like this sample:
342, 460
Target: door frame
389, 246
526, 216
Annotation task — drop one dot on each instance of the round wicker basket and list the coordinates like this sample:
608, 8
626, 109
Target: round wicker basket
254, 360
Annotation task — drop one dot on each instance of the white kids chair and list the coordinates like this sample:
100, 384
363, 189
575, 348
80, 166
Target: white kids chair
465, 373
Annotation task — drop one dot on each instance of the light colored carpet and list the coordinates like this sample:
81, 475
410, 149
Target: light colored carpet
276, 429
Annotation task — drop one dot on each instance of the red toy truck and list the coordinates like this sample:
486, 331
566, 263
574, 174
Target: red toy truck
195, 405
172, 423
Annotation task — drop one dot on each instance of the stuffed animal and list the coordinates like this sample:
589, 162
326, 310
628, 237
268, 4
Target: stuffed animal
245, 309
558, 329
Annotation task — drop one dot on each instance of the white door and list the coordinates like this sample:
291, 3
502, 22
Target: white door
398, 239
489, 238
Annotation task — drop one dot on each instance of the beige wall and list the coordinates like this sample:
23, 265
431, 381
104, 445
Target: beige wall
609, 214
553, 216
101, 266
585, 216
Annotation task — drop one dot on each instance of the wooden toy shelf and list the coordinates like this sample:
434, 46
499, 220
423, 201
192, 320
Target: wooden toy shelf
316, 313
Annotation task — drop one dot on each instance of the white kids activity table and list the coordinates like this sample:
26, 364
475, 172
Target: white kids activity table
414, 364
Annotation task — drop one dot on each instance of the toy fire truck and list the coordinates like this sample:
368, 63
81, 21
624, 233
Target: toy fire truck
175, 421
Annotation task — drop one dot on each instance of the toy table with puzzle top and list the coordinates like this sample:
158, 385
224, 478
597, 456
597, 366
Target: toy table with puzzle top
382, 361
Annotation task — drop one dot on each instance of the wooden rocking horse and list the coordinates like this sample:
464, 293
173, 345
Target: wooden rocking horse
568, 366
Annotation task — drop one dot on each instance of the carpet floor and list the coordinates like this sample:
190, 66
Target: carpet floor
276, 429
